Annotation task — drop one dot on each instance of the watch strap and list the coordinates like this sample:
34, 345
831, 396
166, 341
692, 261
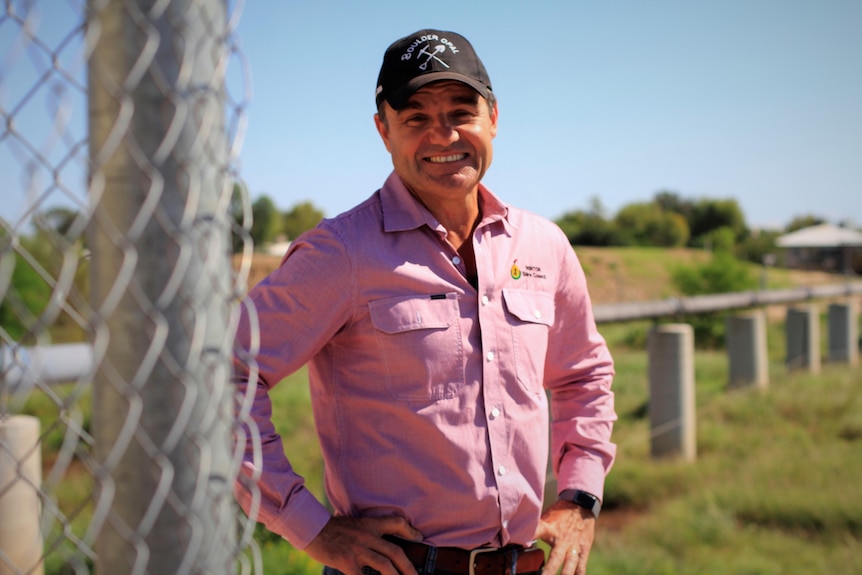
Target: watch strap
583, 499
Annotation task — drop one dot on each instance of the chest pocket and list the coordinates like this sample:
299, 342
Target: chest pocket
531, 313
419, 340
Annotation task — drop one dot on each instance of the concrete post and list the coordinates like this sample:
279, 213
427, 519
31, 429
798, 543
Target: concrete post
746, 349
20, 504
671, 383
803, 338
844, 333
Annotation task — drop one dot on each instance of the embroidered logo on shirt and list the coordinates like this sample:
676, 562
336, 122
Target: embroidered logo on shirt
516, 271
528, 272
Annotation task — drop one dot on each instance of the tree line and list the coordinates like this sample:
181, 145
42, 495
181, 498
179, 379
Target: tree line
668, 220
269, 223
671, 220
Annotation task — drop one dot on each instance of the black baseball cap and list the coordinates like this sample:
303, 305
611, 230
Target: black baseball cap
428, 56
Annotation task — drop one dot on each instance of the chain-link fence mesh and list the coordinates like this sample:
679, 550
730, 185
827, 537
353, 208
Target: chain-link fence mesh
122, 121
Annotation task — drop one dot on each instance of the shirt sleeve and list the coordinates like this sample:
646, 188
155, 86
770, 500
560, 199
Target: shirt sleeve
579, 371
285, 320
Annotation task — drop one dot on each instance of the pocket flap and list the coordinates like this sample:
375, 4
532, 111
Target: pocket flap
407, 313
530, 306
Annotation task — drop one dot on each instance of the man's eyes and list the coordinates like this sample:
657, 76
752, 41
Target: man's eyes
416, 119
457, 116
465, 115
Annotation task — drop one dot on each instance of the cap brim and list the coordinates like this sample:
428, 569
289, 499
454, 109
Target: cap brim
399, 98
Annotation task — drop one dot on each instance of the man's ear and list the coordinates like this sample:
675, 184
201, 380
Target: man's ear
383, 130
495, 113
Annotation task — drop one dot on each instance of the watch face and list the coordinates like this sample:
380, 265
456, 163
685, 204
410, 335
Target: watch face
583, 499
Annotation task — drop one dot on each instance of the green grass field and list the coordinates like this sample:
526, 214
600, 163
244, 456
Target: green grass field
776, 488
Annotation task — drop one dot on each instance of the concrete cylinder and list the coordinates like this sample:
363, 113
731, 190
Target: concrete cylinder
20, 504
671, 384
803, 338
746, 349
843, 337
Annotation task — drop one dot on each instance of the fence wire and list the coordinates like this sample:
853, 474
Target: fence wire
122, 201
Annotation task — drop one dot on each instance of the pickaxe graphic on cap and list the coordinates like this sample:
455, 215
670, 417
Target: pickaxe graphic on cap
437, 50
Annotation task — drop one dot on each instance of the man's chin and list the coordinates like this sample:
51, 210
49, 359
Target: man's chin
466, 178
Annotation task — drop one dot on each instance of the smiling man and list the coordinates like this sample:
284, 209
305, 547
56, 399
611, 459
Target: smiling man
435, 320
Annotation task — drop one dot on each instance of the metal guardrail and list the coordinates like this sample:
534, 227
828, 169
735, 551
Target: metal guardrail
621, 312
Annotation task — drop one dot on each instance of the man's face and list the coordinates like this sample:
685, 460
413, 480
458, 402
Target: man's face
440, 141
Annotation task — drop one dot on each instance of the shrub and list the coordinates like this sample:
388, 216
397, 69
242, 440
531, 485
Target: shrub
722, 274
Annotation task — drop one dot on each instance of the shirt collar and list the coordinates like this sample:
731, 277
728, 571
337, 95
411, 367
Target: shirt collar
402, 211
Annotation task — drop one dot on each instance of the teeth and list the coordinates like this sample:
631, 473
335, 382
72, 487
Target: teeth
444, 159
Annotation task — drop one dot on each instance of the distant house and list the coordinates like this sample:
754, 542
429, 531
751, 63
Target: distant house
823, 247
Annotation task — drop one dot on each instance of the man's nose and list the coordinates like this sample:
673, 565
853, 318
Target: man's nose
443, 132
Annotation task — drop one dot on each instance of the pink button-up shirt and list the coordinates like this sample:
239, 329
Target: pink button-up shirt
428, 394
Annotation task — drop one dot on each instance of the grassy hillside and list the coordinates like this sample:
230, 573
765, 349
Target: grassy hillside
625, 274
644, 274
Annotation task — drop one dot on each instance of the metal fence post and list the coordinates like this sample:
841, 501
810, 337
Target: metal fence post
161, 287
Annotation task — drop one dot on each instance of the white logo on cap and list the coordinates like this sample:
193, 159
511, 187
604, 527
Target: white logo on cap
429, 54
438, 49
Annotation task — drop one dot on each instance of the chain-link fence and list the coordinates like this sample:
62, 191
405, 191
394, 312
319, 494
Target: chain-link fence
120, 207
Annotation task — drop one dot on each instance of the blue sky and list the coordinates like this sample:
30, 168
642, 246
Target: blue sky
757, 100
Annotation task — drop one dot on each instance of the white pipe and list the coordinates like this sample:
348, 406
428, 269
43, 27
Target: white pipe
23, 367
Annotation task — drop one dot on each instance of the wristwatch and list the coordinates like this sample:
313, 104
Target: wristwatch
582, 498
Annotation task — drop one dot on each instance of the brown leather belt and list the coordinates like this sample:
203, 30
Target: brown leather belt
483, 561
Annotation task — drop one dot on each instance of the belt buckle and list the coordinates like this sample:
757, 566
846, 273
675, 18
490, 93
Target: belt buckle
472, 567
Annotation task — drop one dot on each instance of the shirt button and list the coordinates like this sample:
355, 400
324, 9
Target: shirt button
490, 356
505, 524
538, 314
456, 260
485, 300
495, 413
501, 470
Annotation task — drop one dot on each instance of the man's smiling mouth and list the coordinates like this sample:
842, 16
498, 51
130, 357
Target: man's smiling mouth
446, 159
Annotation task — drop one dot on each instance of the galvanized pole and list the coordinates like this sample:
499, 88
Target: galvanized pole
161, 287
